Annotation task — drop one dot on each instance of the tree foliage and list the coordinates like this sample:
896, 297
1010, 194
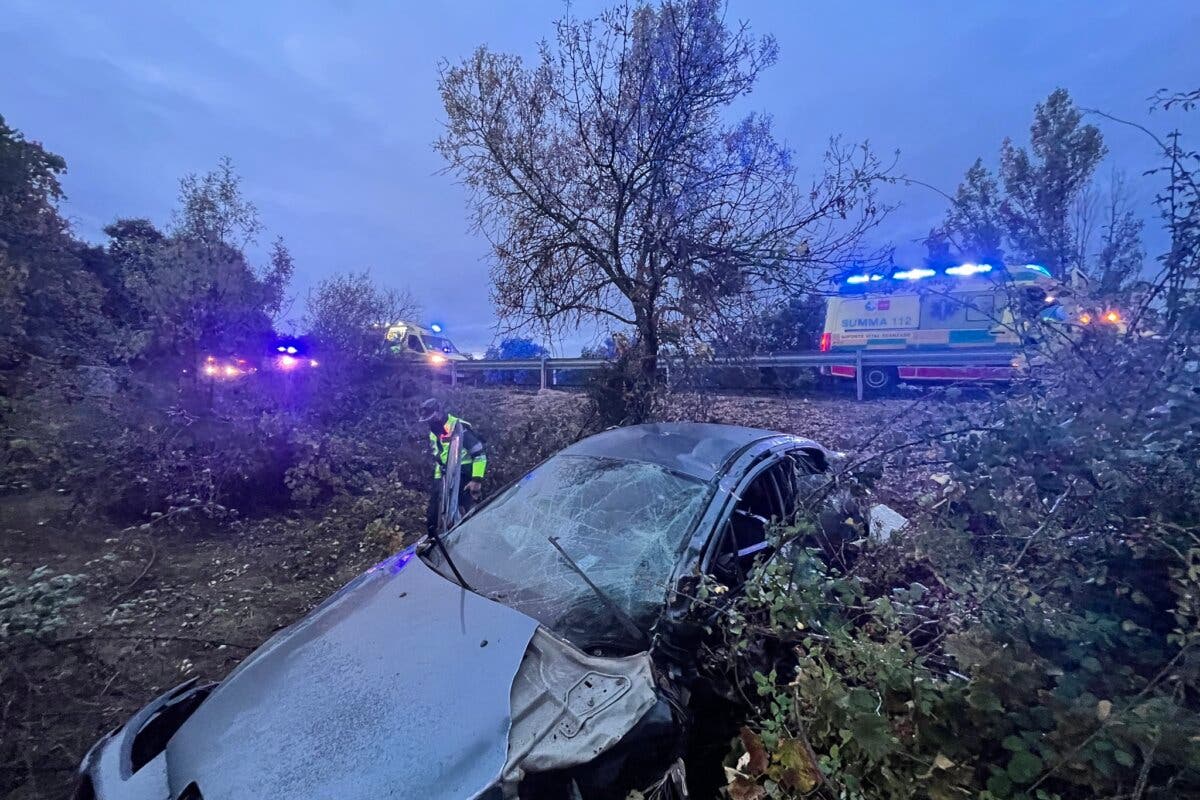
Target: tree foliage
1042, 184
349, 313
49, 303
974, 220
612, 186
1044, 207
517, 347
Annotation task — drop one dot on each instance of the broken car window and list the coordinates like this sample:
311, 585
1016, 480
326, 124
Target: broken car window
623, 522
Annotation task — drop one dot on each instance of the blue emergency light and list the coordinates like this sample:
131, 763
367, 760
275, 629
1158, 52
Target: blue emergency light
969, 269
914, 274
920, 273
435, 327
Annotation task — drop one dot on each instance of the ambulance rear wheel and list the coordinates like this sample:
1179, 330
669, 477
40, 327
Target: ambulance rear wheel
877, 380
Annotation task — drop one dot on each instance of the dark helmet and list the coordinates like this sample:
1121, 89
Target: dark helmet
431, 410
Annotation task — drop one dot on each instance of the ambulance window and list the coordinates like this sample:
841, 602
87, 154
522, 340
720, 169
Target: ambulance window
414, 343
981, 308
940, 311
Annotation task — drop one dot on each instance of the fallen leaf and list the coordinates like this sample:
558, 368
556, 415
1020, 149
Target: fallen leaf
742, 788
757, 763
941, 762
1103, 709
795, 766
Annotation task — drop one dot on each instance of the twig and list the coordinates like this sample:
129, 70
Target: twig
109, 683
137, 580
1139, 788
1045, 523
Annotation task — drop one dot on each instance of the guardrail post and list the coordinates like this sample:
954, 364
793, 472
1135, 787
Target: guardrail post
858, 373
453, 374
543, 374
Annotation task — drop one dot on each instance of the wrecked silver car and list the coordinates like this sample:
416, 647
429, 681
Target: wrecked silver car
543, 647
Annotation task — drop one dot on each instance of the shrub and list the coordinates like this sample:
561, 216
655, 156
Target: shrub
1034, 635
34, 607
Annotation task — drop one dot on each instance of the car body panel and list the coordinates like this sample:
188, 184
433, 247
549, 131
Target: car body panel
569, 707
398, 686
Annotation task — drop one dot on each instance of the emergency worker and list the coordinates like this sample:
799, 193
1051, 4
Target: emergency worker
472, 464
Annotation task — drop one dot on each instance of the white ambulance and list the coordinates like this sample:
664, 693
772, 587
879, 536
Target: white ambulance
412, 342
967, 306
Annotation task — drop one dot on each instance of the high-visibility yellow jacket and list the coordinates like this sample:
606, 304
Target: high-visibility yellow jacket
472, 448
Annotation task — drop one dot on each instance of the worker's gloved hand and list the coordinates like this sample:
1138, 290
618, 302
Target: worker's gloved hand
476, 489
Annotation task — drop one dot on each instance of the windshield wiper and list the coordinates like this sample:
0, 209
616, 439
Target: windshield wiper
626, 621
437, 539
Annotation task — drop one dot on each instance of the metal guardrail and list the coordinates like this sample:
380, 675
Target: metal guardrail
857, 358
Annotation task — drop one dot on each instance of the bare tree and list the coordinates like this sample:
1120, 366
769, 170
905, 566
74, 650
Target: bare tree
1081, 229
611, 186
1121, 257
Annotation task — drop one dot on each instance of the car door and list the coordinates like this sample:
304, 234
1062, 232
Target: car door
765, 498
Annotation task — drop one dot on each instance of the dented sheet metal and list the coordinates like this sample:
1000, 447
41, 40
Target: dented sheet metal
569, 707
398, 686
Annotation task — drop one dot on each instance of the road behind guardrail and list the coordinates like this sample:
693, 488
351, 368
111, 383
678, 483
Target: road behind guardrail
858, 358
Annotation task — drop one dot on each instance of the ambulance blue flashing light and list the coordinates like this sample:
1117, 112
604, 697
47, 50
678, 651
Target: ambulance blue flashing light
919, 273
969, 269
435, 327
913, 274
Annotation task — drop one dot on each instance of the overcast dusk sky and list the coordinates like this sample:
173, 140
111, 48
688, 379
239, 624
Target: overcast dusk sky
329, 109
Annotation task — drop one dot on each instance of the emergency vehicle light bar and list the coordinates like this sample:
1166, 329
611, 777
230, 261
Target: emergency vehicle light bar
919, 273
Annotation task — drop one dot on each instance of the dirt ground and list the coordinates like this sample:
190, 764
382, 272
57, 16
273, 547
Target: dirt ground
163, 603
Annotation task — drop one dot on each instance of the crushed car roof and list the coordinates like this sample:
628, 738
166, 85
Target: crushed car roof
698, 449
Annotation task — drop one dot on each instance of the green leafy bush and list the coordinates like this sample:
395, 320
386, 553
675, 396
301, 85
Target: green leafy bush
1033, 635
34, 607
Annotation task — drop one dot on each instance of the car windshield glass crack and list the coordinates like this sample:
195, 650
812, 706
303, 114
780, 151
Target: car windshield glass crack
624, 523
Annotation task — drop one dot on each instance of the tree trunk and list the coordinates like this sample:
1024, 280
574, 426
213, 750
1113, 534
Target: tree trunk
647, 330
640, 401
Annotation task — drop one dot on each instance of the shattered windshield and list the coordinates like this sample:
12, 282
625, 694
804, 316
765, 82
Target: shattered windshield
623, 522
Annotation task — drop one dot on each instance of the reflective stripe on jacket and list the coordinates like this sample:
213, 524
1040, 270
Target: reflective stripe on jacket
472, 448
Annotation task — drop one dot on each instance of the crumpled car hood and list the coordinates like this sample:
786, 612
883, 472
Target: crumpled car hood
397, 686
